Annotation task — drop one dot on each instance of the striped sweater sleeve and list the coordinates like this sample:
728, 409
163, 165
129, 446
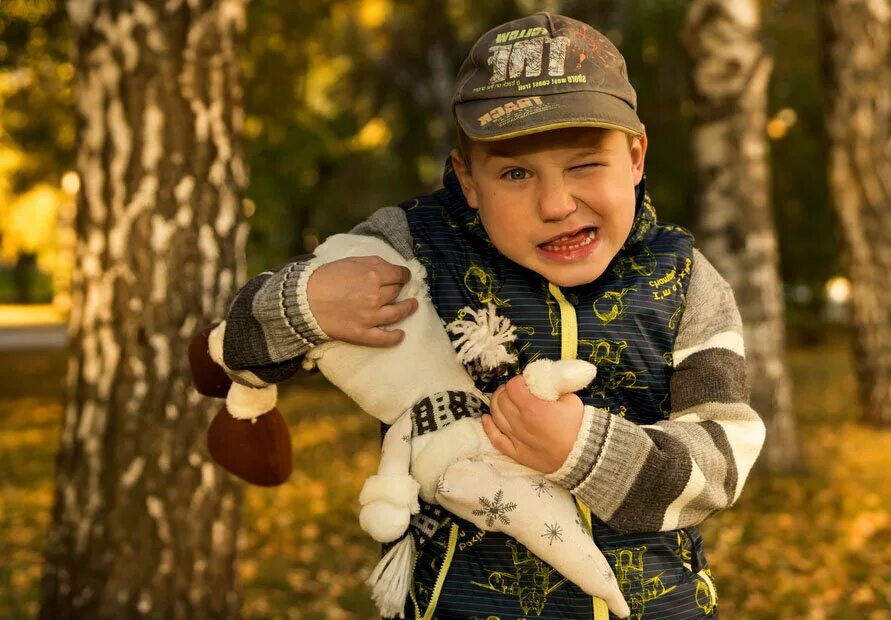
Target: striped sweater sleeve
270, 326
678, 471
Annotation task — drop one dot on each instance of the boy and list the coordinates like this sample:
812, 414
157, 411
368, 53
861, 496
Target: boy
544, 212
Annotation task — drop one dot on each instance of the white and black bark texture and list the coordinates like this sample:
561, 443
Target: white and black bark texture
730, 74
857, 69
144, 524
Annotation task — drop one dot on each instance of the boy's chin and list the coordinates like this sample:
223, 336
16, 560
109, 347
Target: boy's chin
566, 276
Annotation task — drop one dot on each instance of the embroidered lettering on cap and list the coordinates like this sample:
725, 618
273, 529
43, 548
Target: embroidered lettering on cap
512, 59
512, 35
507, 108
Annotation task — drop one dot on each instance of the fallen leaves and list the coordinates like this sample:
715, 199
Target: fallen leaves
811, 547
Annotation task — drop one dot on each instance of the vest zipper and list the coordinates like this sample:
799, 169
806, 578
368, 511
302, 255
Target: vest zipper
440, 577
569, 347
569, 331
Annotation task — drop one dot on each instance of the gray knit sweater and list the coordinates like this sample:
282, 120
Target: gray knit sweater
615, 466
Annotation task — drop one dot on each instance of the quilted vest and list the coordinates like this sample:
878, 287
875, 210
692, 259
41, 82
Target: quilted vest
625, 323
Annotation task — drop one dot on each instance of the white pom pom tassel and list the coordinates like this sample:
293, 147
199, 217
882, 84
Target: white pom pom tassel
391, 578
245, 403
482, 339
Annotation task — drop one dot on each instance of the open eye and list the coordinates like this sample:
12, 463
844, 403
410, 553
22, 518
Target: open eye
515, 174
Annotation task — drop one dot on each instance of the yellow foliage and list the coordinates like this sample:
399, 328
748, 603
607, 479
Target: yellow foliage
323, 74
374, 135
777, 128
373, 13
30, 224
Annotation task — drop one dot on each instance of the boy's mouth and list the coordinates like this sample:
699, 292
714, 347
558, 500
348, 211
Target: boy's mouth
570, 241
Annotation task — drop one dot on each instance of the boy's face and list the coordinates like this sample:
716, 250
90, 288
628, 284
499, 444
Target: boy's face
560, 202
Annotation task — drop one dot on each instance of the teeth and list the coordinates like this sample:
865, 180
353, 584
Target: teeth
562, 247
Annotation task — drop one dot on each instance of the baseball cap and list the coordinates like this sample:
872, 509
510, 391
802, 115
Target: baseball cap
543, 72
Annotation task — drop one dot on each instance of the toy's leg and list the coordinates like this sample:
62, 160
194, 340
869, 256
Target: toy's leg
497, 494
390, 497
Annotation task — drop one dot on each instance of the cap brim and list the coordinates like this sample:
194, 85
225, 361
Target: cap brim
511, 117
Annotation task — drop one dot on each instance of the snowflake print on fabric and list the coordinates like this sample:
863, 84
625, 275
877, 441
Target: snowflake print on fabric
542, 486
493, 509
553, 532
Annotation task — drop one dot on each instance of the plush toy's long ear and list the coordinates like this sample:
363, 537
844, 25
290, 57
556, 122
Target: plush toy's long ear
257, 450
248, 437
209, 378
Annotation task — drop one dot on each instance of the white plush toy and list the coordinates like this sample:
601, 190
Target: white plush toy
436, 447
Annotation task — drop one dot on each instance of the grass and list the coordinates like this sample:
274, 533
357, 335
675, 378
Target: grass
808, 547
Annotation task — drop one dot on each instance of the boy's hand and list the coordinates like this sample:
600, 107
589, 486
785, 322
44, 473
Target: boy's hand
535, 433
352, 300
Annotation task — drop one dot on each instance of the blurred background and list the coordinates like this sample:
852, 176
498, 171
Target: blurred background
153, 155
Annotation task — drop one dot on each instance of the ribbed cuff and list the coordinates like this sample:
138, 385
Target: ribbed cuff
282, 309
297, 304
586, 449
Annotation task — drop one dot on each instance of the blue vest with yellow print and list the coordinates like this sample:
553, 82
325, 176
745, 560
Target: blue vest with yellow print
625, 323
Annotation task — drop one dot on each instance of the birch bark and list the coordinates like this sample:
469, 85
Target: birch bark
730, 74
857, 68
144, 524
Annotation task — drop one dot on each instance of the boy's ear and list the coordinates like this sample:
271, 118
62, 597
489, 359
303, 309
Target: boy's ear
465, 178
638, 155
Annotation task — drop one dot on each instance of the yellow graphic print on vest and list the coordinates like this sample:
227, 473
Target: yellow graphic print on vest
512, 348
553, 311
428, 265
605, 351
668, 284
611, 306
530, 582
706, 597
481, 282
676, 317
448, 220
644, 263
684, 551
630, 570
615, 380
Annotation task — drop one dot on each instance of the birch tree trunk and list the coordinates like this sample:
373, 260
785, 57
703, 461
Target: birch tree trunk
857, 68
144, 524
730, 74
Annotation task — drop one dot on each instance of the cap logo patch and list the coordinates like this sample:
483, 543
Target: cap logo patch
508, 108
525, 57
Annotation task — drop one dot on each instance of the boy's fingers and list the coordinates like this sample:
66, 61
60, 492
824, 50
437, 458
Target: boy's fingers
502, 403
378, 337
500, 441
393, 313
388, 293
500, 420
518, 390
393, 274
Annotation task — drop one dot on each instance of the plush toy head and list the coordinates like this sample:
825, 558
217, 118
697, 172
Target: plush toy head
386, 382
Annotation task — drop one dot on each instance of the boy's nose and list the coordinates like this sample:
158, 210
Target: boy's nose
555, 202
